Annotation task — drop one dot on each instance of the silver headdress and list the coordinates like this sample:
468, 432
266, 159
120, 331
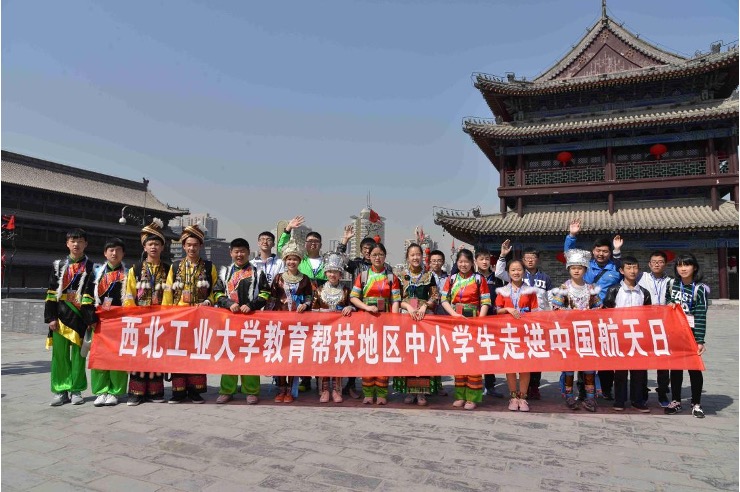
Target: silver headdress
292, 248
335, 262
577, 257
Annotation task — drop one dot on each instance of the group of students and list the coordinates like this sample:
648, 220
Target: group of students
299, 278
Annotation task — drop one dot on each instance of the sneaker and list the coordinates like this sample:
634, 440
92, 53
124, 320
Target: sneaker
589, 404
458, 403
523, 405
673, 408
288, 397
111, 400
697, 411
156, 399
608, 396
572, 403
514, 404
368, 400
470, 405
421, 400
177, 399
663, 399
409, 400
354, 394
134, 400
252, 399
641, 407
59, 399
196, 398
618, 407
380, 401
533, 394
280, 396
224, 399
336, 397
77, 398
325, 397
100, 400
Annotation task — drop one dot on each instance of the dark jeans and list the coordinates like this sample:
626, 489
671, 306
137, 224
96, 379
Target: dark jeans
534, 379
638, 380
607, 381
676, 379
489, 381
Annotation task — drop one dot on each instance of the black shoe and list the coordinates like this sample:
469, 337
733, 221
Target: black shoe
177, 399
134, 400
196, 398
640, 407
608, 396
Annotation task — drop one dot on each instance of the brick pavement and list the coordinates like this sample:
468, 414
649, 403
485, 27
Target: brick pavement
354, 447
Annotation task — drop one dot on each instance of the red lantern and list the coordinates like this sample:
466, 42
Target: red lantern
376, 238
564, 158
658, 150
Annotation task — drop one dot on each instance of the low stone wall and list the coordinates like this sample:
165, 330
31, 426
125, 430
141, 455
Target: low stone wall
24, 316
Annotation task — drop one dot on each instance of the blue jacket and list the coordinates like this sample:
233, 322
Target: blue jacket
611, 274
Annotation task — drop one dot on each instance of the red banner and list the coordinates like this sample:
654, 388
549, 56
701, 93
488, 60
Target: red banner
216, 341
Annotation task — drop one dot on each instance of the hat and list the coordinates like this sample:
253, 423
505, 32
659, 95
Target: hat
334, 262
153, 229
192, 231
577, 257
292, 248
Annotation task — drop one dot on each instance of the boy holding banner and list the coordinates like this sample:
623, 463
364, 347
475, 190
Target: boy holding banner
241, 289
627, 294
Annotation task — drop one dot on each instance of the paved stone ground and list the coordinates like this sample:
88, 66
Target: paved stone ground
354, 447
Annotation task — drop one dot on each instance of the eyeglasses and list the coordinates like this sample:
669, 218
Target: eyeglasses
377, 255
436, 261
313, 241
657, 262
265, 240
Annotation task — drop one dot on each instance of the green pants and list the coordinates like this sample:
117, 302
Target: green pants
250, 385
67, 367
113, 382
467, 394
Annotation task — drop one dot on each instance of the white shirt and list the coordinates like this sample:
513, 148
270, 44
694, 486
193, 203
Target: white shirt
655, 285
272, 266
628, 296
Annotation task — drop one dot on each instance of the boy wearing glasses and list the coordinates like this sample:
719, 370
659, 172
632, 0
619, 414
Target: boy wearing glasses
267, 262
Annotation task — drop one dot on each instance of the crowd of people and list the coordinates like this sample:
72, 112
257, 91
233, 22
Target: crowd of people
299, 278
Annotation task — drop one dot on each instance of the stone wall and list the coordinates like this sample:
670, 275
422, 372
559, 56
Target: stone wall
24, 316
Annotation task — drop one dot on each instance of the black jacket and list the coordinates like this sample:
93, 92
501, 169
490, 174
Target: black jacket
610, 300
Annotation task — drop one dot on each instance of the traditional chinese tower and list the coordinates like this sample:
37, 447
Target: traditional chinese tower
629, 137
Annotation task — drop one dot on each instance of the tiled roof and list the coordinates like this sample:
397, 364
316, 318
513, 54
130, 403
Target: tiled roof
72, 181
632, 40
676, 217
700, 111
701, 64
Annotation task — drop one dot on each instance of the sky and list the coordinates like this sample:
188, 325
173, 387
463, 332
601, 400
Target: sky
260, 111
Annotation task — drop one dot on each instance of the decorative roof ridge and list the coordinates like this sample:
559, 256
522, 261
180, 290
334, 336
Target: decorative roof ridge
487, 82
606, 23
714, 104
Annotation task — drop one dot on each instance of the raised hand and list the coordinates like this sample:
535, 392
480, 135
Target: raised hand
575, 226
617, 242
296, 221
349, 231
505, 248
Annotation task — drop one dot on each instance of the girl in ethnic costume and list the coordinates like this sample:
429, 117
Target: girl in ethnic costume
419, 295
466, 294
145, 286
376, 290
109, 291
516, 298
291, 291
190, 283
690, 294
575, 293
332, 297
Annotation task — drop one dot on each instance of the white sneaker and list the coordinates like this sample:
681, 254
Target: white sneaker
100, 400
77, 399
59, 399
111, 400
514, 404
523, 405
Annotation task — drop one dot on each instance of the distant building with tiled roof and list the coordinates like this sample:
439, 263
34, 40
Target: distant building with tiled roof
48, 199
630, 137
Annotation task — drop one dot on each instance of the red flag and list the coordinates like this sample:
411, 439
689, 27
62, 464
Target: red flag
374, 217
9, 222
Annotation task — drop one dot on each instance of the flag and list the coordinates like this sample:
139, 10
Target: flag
374, 217
9, 222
